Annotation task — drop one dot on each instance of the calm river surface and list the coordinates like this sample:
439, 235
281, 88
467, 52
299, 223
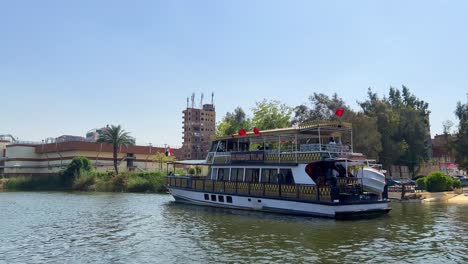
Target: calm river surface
149, 228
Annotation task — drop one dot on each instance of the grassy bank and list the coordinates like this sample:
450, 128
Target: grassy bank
149, 182
81, 176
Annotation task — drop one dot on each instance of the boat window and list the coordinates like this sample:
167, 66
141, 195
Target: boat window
243, 146
252, 175
269, 176
207, 197
214, 173
213, 197
214, 146
237, 174
229, 199
232, 146
222, 146
220, 198
223, 174
286, 176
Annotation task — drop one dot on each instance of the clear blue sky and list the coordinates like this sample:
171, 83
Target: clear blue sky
70, 66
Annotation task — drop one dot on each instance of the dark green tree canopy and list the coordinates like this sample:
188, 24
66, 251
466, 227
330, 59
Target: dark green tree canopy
233, 122
403, 122
461, 141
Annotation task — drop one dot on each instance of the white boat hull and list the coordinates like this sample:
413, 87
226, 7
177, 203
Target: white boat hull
279, 206
372, 180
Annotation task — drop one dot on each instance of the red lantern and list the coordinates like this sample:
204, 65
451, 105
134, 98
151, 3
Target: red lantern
256, 131
242, 132
339, 112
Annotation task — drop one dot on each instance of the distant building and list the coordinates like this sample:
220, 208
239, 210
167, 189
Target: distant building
93, 135
198, 126
36, 159
65, 138
3, 144
444, 156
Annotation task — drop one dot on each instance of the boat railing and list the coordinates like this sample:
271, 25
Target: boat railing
303, 192
308, 153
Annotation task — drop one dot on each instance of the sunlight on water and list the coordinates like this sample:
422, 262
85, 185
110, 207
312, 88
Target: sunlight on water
147, 228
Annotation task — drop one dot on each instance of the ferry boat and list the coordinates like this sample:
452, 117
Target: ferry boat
310, 169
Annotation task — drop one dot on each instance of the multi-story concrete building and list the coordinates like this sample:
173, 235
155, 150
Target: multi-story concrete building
199, 126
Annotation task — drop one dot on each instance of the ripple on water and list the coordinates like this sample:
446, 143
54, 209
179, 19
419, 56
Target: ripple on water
132, 228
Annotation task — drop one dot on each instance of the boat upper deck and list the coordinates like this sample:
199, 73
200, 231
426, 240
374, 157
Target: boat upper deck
306, 143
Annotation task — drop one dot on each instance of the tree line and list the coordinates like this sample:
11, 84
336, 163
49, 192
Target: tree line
394, 129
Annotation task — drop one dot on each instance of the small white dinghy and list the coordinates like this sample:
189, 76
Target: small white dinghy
372, 180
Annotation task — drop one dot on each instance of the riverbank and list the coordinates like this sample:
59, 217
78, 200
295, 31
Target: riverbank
456, 197
93, 181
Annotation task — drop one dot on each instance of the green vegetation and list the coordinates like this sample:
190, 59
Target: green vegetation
116, 136
233, 122
393, 129
461, 141
124, 182
438, 182
271, 114
41, 183
80, 176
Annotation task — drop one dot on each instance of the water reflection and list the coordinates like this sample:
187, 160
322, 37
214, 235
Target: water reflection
132, 228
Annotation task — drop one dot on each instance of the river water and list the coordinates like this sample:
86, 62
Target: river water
150, 228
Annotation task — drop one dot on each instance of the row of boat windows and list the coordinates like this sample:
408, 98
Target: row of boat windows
253, 175
220, 198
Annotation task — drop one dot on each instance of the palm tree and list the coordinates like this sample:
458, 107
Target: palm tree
116, 136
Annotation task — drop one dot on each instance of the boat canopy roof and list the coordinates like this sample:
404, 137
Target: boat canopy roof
188, 162
325, 128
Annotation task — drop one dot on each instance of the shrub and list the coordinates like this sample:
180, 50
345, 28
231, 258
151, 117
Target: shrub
180, 172
421, 183
119, 182
191, 171
438, 182
138, 184
76, 167
457, 183
46, 183
84, 181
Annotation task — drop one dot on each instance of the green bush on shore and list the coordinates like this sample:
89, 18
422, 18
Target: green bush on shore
438, 182
38, 183
124, 182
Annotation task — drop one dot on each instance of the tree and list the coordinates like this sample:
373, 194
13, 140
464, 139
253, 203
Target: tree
322, 107
116, 136
161, 158
403, 122
367, 138
461, 141
233, 122
271, 115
